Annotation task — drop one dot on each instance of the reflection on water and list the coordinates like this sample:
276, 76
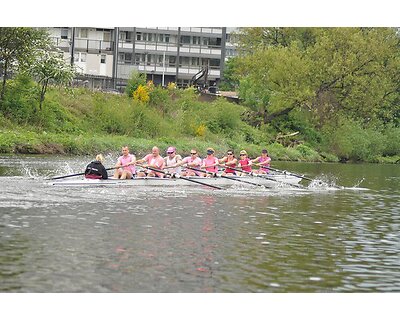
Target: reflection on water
125, 239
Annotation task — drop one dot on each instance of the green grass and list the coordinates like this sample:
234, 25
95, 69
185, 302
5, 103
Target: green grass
83, 122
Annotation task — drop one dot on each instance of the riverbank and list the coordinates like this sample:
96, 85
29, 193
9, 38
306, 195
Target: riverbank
22, 141
77, 121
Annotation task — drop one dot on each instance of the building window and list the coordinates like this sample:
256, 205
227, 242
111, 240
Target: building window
195, 61
215, 42
122, 35
196, 40
64, 33
139, 36
167, 37
185, 39
184, 61
128, 36
84, 33
107, 36
128, 58
80, 57
172, 61
103, 58
215, 62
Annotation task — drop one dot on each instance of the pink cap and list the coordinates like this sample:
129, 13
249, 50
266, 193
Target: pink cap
171, 149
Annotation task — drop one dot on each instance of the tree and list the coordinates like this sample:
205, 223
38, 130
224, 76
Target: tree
355, 72
230, 80
50, 67
327, 72
273, 82
17, 50
256, 38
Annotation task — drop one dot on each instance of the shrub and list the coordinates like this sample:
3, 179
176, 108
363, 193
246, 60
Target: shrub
392, 141
308, 154
160, 99
349, 140
141, 94
136, 79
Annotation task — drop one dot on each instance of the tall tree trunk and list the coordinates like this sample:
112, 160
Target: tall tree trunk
42, 93
3, 87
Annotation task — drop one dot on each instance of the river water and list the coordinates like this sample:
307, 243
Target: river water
243, 239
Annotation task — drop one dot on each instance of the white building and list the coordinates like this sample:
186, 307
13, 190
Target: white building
165, 54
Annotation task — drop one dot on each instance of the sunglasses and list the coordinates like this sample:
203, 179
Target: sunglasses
170, 152
242, 155
193, 153
229, 154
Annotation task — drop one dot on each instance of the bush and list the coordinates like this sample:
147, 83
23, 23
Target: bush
134, 82
21, 99
392, 141
350, 141
221, 116
160, 99
141, 94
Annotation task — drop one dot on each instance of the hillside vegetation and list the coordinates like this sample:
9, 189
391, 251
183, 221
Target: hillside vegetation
307, 94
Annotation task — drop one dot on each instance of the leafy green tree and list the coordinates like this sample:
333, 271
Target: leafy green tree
50, 67
273, 82
256, 38
356, 72
230, 80
328, 72
17, 50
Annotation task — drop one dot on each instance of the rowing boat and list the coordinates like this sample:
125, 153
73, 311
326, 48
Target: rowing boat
268, 181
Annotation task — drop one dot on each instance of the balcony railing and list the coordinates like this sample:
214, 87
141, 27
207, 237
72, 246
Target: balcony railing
87, 45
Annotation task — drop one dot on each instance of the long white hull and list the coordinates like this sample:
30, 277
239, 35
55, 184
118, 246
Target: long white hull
272, 181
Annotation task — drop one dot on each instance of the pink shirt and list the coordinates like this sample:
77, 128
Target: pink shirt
158, 162
196, 163
125, 160
263, 159
208, 161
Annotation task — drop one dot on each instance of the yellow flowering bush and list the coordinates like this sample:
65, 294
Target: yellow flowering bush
201, 130
141, 94
171, 86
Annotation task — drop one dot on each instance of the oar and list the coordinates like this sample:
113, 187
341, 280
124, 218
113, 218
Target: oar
82, 173
183, 178
288, 173
230, 178
268, 178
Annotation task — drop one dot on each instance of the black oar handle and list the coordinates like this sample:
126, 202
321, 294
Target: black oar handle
234, 179
67, 176
183, 178
82, 173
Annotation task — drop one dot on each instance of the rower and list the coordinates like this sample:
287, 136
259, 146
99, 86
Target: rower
171, 160
95, 169
125, 165
229, 162
210, 163
263, 161
153, 160
244, 163
192, 161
